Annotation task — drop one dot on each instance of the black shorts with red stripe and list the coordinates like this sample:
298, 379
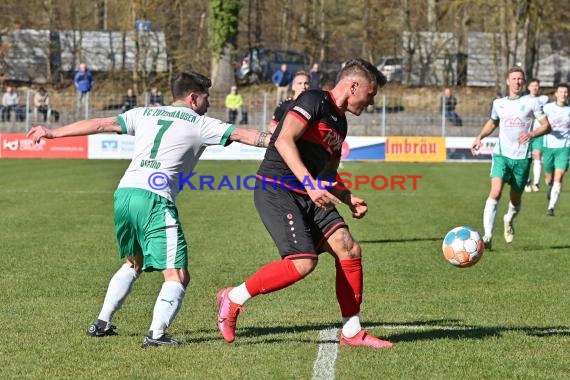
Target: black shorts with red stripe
297, 226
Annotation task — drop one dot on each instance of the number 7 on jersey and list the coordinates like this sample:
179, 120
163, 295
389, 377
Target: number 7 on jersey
164, 125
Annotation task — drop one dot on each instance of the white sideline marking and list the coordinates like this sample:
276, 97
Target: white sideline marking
326, 357
429, 327
55, 191
328, 349
420, 327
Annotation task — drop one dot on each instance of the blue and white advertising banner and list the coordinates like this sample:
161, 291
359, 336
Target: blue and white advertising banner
364, 148
110, 146
459, 148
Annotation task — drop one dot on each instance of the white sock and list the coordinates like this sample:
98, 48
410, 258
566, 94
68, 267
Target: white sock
512, 212
536, 168
239, 294
489, 215
119, 288
554, 194
167, 306
351, 326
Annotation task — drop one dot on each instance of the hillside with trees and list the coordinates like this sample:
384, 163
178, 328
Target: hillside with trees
207, 35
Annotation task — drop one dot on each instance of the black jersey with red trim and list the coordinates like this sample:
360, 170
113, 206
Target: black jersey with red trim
320, 143
281, 110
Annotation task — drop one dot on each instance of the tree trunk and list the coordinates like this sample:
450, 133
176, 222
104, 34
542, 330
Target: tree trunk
223, 71
285, 23
432, 15
365, 52
504, 47
409, 43
322, 30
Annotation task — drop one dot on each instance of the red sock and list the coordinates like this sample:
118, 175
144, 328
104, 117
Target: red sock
349, 284
272, 277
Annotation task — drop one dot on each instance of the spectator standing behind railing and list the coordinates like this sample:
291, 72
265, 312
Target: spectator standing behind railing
315, 78
449, 102
83, 81
234, 104
10, 103
156, 98
129, 100
282, 79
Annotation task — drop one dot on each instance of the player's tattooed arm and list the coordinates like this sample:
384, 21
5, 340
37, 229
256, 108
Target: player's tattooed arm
251, 137
263, 139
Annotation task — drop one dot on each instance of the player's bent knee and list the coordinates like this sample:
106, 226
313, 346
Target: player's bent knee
135, 262
496, 195
304, 266
355, 251
351, 250
343, 245
179, 275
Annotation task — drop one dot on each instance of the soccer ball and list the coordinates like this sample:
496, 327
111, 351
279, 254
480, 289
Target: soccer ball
463, 246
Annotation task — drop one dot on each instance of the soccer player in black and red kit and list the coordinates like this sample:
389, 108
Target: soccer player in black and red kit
300, 213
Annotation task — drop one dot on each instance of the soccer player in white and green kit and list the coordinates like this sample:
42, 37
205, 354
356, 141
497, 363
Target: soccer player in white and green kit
556, 145
536, 143
168, 142
514, 115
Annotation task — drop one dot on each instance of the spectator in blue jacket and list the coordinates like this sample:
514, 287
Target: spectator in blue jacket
83, 80
282, 79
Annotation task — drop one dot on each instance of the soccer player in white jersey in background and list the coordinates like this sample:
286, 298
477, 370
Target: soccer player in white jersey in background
514, 115
536, 143
148, 231
556, 150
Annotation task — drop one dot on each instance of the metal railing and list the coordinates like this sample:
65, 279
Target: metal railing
389, 116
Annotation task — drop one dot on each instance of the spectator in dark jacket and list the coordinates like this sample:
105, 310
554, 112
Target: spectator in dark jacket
129, 100
156, 98
448, 103
316, 78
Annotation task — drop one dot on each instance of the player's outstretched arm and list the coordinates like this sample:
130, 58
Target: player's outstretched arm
251, 137
79, 128
272, 126
488, 128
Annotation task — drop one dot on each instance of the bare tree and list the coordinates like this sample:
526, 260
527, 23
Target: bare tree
523, 30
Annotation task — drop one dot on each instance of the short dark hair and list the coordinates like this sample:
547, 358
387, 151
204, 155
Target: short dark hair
534, 80
186, 82
361, 66
565, 85
515, 69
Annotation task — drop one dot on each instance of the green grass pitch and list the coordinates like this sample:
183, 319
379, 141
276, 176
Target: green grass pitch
506, 317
